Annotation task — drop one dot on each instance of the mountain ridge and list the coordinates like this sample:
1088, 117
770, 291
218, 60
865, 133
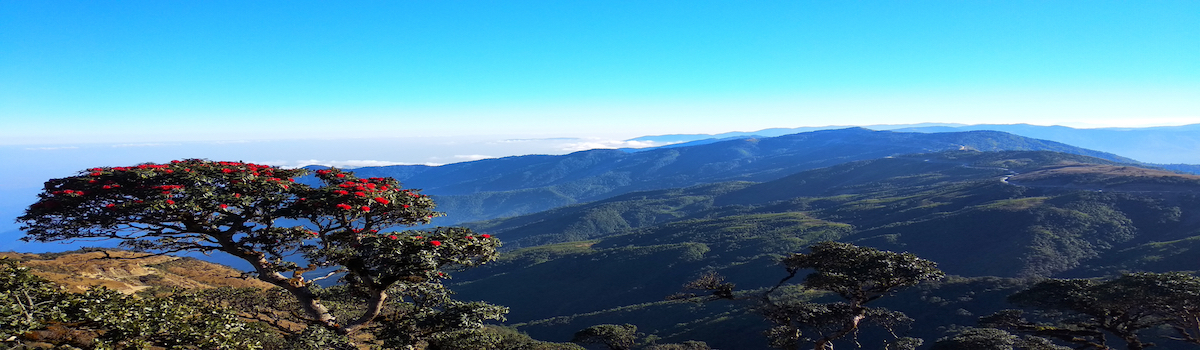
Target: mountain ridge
510, 186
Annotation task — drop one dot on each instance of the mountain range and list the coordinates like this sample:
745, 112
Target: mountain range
502, 187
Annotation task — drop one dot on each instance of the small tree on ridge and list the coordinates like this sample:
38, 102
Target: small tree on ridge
240, 209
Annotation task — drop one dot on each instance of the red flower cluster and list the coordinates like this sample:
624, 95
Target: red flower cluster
435, 243
344, 206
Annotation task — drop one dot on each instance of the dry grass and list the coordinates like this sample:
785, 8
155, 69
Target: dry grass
130, 272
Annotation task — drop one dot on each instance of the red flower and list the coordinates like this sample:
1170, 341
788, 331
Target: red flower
110, 205
237, 195
392, 236
360, 194
344, 206
469, 237
365, 208
170, 202
485, 236
227, 170
435, 243
95, 174
341, 175
224, 206
382, 200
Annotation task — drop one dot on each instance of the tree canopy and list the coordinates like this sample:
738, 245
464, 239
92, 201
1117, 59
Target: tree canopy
1083, 311
293, 234
858, 274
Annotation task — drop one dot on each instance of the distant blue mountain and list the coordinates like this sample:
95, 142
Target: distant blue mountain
1160, 145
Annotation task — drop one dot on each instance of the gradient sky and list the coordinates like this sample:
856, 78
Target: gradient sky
154, 71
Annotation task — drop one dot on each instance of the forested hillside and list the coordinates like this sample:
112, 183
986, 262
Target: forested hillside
984, 216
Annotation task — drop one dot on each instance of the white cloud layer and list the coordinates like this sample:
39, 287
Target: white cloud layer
143, 145
470, 157
594, 144
49, 148
345, 164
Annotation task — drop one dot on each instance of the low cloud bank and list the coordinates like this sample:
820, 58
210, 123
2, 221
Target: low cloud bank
344, 164
470, 157
610, 144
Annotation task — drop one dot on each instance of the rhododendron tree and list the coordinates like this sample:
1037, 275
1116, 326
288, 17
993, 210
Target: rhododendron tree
291, 233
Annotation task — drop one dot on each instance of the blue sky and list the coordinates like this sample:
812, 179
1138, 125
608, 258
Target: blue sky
163, 71
110, 83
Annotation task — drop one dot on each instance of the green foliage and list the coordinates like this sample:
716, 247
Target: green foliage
615, 337
27, 302
992, 339
687, 345
35, 311
798, 323
493, 338
860, 274
1083, 311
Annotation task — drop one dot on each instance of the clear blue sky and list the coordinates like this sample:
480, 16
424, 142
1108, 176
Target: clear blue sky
142, 71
